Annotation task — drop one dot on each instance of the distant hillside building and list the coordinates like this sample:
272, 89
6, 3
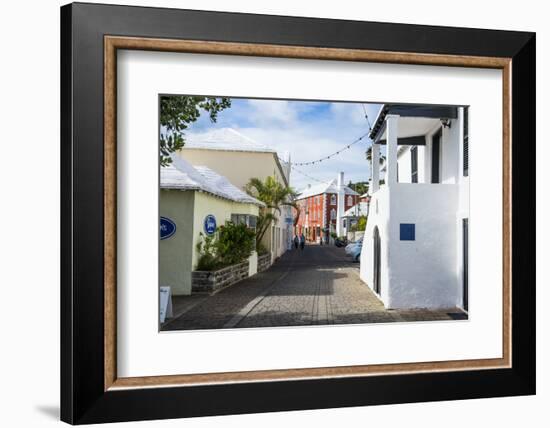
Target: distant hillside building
322, 209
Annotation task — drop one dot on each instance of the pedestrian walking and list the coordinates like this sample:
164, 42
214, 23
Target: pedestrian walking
302, 241
296, 241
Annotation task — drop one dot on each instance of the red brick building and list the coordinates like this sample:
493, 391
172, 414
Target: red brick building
319, 209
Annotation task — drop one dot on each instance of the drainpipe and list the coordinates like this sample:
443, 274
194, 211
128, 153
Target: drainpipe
306, 211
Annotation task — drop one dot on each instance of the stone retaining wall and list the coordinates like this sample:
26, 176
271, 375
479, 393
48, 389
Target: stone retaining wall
264, 261
205, 281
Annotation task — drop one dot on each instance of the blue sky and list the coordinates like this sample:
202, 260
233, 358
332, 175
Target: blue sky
308, 130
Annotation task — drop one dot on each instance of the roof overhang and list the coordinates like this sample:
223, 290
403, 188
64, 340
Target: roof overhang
418, 140
281, 169
433, 112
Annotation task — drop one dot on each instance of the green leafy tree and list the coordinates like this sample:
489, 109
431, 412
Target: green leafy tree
360, 187
361, 224
275, 196
177, 112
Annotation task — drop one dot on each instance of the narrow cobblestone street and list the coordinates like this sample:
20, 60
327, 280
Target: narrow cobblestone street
319, 285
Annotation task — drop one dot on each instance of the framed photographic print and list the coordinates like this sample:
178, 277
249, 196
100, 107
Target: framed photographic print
266, 213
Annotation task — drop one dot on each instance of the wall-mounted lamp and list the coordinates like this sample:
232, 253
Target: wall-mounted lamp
446, 123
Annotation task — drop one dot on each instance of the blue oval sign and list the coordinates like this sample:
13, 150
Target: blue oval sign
209, 224
167, 228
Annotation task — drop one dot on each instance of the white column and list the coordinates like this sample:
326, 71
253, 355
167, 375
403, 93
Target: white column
375, 159
391, 148
340, 206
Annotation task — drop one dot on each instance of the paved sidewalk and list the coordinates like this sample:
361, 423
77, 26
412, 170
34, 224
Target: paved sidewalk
319, 285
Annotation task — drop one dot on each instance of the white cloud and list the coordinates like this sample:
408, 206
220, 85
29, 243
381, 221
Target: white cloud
349, 113
267, 112
308, 131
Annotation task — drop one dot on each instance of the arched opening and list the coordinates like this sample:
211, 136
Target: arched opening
376, 260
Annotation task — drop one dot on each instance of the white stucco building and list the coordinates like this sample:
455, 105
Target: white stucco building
415, 249
351, 217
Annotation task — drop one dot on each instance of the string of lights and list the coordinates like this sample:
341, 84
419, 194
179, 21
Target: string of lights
293, 164
366, 116
370, 128
336, 153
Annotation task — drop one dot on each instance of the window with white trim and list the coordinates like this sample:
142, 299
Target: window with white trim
248, 220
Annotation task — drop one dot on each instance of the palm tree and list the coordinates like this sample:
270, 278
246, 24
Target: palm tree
274, 195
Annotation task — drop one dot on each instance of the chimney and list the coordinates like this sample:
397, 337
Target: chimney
341, 207
340, 180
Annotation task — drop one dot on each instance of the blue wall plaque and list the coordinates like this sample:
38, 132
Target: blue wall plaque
209, 224
406, 232
167, 228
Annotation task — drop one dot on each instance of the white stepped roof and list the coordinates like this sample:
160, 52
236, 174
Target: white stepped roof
224, 139
360, 209
181, 175
319, 189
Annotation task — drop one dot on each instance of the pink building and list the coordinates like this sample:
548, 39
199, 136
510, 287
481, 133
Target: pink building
319, 209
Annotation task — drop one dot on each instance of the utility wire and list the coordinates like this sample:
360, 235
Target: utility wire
302, 172
308, 176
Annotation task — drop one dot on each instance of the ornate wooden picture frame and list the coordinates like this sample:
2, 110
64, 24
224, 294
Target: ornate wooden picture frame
91, 390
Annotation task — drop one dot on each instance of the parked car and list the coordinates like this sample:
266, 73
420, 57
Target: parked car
341, 241
355, 253
351, 245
